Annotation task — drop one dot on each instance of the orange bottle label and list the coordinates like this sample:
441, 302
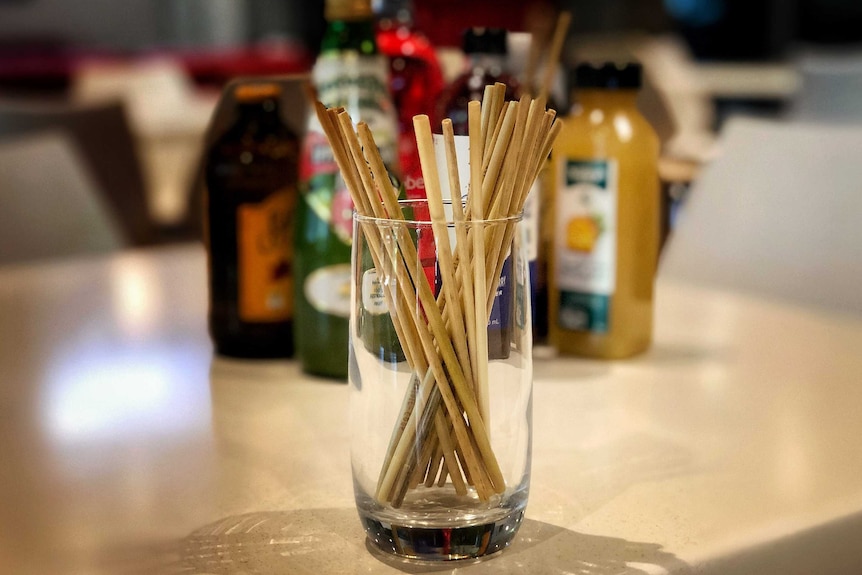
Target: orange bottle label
265, 258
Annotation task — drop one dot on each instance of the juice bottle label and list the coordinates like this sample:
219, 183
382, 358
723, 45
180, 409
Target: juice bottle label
586, 243
265, 258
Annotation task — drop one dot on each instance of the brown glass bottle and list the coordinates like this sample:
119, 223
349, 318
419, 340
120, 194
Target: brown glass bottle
251, 177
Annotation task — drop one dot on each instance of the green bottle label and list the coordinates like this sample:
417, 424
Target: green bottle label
358, 84
328, 289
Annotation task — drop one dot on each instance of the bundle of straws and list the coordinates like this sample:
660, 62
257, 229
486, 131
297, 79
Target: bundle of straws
443, 429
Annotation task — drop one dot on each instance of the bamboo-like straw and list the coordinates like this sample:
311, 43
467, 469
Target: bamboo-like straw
553, 63
499, 99
542, 153
443, 430
508, 196
429, 166
411, 258
465, 397
502, 195
492, 143
478, 235
533, 56
422, 127
368, 202
462, 246
351, 174
488, 117
491, 178
546, 146
531, 138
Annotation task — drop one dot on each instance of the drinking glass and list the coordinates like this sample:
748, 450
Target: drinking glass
440, 398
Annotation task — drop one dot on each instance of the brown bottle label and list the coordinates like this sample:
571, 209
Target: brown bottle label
265, 258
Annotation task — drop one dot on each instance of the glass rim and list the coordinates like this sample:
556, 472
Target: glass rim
357, 217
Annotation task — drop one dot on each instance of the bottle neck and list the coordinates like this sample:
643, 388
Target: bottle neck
262, 114
393, 14
493, 64
350, 36
604, 98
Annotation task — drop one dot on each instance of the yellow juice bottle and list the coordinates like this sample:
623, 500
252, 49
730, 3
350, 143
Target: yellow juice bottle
606, 212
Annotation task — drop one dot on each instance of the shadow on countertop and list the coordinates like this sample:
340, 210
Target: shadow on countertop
319, 541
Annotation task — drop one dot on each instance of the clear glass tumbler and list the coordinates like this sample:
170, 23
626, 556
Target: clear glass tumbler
441, 382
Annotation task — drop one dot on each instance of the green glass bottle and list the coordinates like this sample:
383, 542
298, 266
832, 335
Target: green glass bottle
349, 72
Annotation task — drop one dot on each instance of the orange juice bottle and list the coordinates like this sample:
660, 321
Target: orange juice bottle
606, 229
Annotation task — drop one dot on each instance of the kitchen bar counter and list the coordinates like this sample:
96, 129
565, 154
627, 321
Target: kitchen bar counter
731, 447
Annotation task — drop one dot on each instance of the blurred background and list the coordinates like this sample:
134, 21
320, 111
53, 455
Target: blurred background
105, 106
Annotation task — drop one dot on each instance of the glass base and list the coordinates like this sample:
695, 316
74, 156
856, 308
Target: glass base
434, 544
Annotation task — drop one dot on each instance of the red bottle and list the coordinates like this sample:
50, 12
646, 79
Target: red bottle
415, 82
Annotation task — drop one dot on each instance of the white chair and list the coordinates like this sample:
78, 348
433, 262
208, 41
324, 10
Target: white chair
49, 204
777, 214
831, 88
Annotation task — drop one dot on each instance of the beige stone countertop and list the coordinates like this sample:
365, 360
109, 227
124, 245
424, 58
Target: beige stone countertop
731, 447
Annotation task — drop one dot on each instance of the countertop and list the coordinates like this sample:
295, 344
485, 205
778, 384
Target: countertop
731, 447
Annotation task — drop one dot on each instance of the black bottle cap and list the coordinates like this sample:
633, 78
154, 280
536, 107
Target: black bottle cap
485, 41
609, 75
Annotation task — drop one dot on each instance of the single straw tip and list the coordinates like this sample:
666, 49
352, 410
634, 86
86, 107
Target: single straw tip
540, 102
321, 111
448, 128
344, 119
421, 122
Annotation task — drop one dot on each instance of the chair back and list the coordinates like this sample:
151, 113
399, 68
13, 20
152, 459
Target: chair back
104, 141
777, 214
50, 206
